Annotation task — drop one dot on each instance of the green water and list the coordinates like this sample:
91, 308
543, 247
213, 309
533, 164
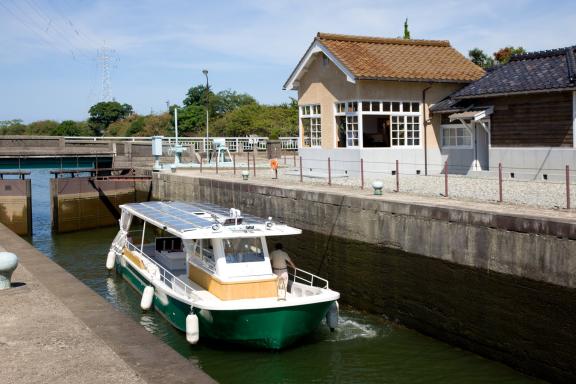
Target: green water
365, 348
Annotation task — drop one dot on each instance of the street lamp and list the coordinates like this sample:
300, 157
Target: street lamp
205, 72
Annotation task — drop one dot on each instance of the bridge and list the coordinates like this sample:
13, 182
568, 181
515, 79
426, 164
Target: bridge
26, 152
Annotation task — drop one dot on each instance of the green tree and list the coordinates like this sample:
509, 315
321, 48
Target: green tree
136, 126
42, 128
191, 119
68, 128
105, 113
158, 125
504, 55
197, 96
12, 127
478, 57
406, 30
228, 100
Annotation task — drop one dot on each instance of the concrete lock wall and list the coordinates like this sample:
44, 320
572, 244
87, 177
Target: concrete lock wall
499, 285
83, 203
16, 205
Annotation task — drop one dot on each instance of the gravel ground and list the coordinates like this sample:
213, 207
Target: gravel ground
543, 194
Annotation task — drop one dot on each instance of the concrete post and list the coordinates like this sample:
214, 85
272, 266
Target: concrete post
8, 263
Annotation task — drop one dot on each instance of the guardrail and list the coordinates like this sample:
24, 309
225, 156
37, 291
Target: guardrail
166, 276
234, 144
304, 277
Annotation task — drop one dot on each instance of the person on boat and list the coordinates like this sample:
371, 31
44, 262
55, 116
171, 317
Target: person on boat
280, 261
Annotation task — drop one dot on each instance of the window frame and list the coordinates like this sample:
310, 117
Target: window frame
455, 127
312, 113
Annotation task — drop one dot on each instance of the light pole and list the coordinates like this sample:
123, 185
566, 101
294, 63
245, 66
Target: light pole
205, 72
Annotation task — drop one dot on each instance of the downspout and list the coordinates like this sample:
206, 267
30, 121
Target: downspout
425, 122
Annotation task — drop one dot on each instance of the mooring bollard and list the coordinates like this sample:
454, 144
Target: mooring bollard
245, 175
377, 186
8, 263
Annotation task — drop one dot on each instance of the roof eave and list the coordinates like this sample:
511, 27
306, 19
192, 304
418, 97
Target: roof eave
536, 91
316, 47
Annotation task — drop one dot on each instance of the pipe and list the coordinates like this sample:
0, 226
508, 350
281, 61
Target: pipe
425, 122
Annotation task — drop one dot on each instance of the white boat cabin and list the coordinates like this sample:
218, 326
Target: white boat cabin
220, 250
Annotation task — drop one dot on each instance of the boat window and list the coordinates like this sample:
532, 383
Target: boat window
203, 250
243, 250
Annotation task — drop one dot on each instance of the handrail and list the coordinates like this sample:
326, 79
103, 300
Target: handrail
308, 278
165, 273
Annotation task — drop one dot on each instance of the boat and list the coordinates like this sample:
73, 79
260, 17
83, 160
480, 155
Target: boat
207, 270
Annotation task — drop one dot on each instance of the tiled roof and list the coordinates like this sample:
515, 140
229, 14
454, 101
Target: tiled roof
400, 59
531, 72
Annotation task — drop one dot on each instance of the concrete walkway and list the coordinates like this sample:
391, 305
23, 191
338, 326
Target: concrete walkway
54, 329
265, 178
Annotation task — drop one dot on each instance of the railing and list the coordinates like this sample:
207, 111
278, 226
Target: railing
234, 144
166, 276
289, 143
307, 278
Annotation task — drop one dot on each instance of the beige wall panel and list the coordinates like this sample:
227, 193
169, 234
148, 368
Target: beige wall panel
323, 83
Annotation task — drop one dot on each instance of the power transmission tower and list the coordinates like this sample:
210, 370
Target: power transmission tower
106, 60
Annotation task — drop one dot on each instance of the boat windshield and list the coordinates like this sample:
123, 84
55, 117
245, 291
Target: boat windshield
244, 250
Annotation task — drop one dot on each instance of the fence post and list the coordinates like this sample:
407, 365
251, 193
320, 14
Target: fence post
361, 173
567, 187
248, 157
284, 159
301, 180
397, 176
446, 178
254, 161
234, 162
201, 161
329, 173
500, 182
294, 156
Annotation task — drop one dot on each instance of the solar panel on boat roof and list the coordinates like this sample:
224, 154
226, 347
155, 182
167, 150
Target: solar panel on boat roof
178, 216
184, 216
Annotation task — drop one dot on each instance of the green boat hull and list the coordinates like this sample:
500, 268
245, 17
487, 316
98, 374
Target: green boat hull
270, 328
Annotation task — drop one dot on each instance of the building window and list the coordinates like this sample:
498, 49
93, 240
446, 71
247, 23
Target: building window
352, 131
405, 131
456, 135
311, 125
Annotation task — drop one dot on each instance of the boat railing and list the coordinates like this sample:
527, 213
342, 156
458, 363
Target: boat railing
165, 275
298, 275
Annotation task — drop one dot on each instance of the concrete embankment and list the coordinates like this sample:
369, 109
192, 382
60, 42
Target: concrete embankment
497, 280
54, 329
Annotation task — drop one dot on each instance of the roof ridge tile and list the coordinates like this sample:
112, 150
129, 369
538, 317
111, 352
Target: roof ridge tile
382, 40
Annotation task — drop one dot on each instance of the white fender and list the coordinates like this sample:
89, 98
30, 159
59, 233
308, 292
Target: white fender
332, 316
192, 329
147, 297
110, 260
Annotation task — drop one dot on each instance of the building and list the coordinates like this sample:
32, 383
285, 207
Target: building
369, 98
521, 114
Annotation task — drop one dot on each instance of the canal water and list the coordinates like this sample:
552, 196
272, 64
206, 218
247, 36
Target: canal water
365, 348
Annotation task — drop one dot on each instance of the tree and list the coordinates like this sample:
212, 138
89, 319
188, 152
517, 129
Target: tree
197, 96
228, 100
105, 113
191, 119
406, 31
504, 55
12, 127
68, 128
478, 57
42, 128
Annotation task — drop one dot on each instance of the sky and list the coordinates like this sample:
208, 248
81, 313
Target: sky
49, 67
